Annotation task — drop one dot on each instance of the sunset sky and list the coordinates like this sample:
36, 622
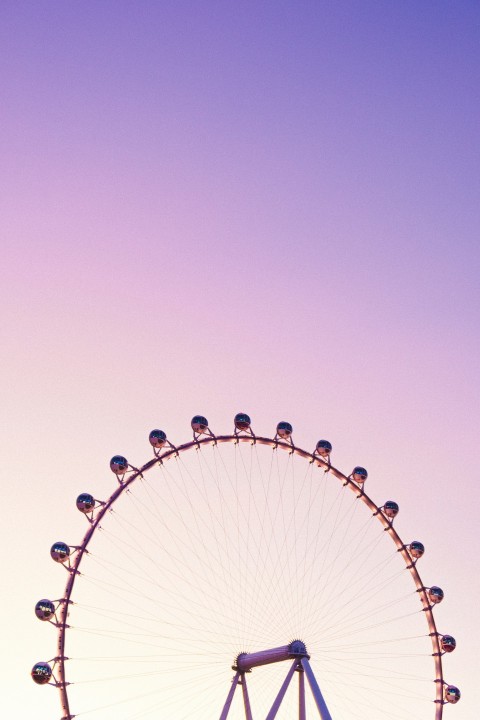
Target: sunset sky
214, 207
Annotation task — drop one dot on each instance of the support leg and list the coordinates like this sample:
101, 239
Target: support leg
230, 695
316, 692
302, 712
246, 699
282, 691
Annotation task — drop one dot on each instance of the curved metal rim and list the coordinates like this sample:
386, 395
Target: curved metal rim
213, 440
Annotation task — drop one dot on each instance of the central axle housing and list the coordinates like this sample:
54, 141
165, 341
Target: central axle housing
246, 661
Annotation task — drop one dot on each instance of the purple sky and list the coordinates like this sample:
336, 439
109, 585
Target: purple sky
270, 207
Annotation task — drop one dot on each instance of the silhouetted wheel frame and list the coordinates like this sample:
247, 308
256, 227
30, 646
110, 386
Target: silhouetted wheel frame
168, 452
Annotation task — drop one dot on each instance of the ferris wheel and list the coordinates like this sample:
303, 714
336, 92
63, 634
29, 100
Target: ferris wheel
239, 577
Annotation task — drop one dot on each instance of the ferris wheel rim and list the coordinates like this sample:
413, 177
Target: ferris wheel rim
274, 443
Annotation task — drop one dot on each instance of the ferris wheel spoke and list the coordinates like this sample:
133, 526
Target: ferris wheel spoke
177, 567
172, 607
352, 616
346, 609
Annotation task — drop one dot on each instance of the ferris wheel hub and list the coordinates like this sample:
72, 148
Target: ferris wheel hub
246, 661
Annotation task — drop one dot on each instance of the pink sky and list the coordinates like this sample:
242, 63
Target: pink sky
217, 207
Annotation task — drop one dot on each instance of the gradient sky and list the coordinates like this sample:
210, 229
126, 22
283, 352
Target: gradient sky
212, 207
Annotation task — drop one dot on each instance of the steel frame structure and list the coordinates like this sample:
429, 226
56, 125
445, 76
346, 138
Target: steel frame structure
297, 653
60, 676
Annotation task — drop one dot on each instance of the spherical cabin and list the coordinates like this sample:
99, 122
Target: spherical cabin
359, 474
448, 643
41, 673
85, 503
44, 609
60, 552
416, 549
242, 421
452, 694
284, 430
435, 594
157, 439
199, 424
391, 509
324, 448
118, 465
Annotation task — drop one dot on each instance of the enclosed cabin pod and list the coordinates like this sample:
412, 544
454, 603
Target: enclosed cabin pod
157, 439
284, 430
45, 609
448, 643
323, 448
416, 549
60, 552
119, 465
452, 694
242, 423
85, 503
41, 673
359, 475
199, 425
435, 594
391, 509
